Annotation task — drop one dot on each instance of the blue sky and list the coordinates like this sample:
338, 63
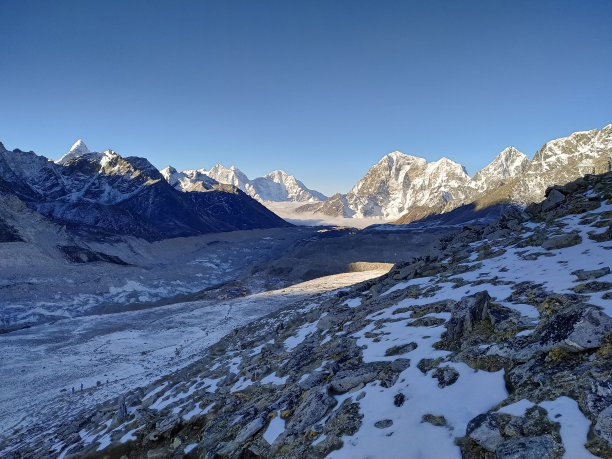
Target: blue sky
321, 89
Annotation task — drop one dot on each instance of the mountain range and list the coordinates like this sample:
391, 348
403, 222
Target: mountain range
277, 186
405, 188
107, 193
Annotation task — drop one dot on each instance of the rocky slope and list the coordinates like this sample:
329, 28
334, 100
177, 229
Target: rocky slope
277, 186
497, 344
105, 192
406, 188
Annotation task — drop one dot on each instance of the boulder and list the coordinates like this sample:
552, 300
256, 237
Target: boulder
446, 376
560, 242
554, 198
485, 431
576, 329
315, 405
603, 426
401, 349
346, 380
383, 424
543, 447
466, 314
583, 275
399, 365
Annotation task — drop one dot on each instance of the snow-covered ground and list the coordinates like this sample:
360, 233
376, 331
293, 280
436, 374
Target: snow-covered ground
41, 365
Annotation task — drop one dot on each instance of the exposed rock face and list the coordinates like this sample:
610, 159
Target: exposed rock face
562, 160
193, 180
466, 314
407, 188
277, 186
508, 164
124, 195
397, 184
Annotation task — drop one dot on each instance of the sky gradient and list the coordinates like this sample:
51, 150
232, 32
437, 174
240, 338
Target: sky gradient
320, 89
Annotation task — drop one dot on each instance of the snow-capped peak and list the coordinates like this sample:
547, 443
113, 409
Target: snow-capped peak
277, 186
446, 163
278, 175
507, 164
78, 149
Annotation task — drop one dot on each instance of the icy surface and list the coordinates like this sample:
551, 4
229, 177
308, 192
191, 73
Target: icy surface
275, 428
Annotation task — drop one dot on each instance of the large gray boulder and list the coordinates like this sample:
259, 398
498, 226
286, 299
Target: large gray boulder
346, 380
578, 329
554, 198
603, 426
543, 447
466, 314
560, 242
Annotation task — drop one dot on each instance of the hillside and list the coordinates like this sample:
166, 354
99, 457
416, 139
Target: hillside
109, 194
496, 344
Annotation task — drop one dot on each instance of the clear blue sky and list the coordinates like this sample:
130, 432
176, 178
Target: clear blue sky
321, 89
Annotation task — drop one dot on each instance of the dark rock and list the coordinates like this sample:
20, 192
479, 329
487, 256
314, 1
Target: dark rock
399, 365
560, 242
316, 378
426, 321
446, 376
577, 329
485, 430
314, 406
383, 424
401, 349
603, 426
346, 380
428, 364
583, 275
543, 447
389, 380
593, 287
399, 399
466, 314
438, 421
554, 198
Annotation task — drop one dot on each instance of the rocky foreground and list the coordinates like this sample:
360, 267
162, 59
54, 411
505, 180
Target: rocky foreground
499, 344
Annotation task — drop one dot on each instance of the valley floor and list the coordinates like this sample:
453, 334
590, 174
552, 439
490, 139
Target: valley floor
287, 210
112, 353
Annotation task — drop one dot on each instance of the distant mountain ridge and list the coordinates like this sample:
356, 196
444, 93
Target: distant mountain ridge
104, 191
405, 188
276, 186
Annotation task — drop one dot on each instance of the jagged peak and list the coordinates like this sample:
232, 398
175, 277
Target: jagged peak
445, 160
395, 155
278, 173
510, 152
448, 163
79, 147
2, 148
170, 169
